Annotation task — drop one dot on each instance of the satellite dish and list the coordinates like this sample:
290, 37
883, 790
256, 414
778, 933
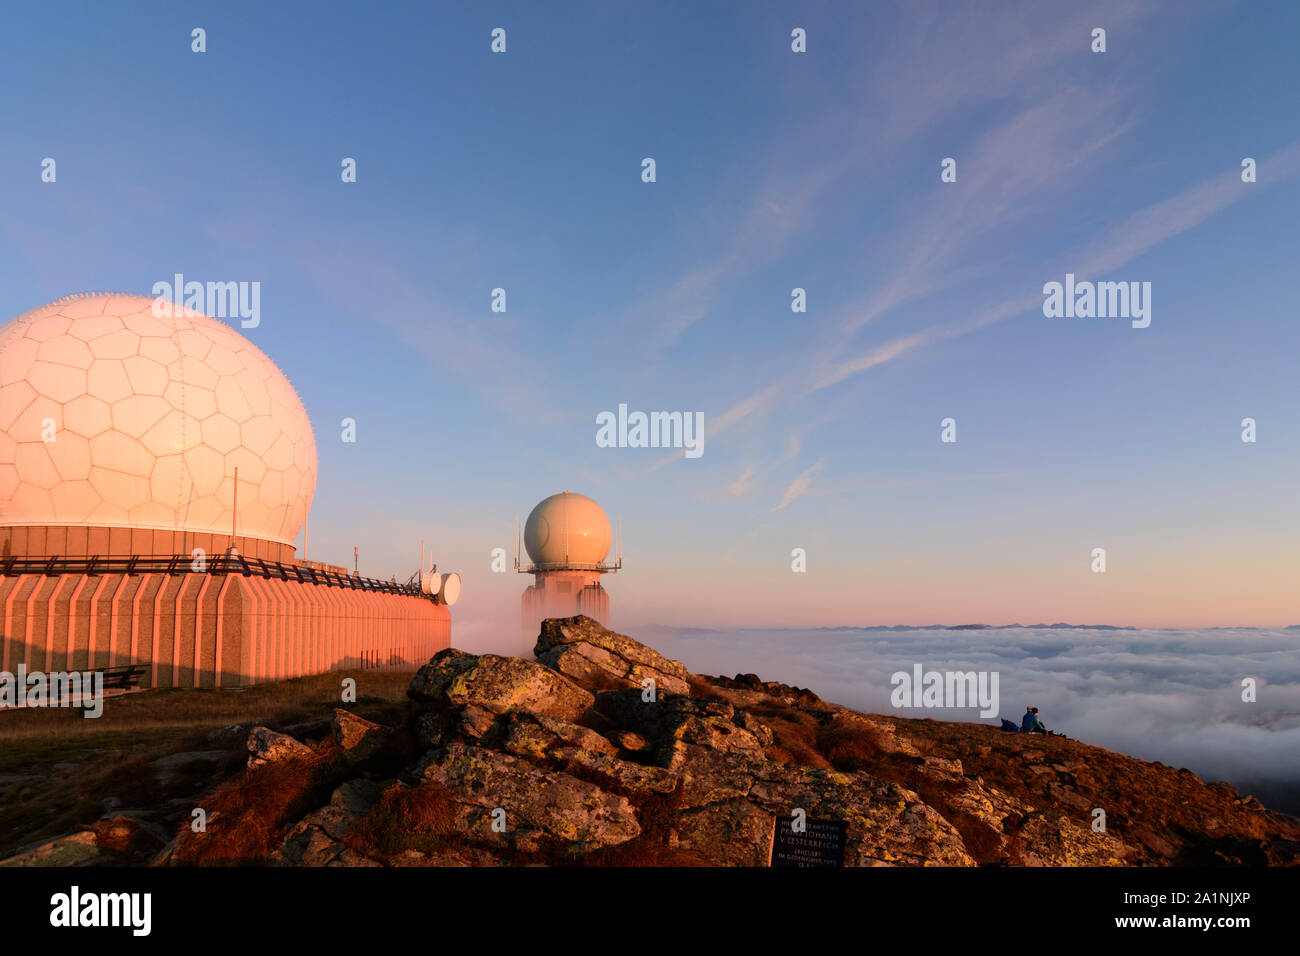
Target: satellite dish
450, 590
429, 583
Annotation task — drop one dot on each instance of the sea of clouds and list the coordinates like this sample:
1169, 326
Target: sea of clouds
1167, 695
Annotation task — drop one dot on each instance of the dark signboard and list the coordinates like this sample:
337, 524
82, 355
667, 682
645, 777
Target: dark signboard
821, 843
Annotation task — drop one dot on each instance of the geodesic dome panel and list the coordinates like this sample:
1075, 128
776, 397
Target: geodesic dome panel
111, 415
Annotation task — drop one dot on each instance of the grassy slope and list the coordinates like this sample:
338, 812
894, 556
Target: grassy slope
112, 753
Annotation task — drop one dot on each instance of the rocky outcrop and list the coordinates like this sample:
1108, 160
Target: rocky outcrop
501, 761
772, 689
591, 654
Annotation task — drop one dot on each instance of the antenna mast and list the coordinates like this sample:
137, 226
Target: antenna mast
234, 510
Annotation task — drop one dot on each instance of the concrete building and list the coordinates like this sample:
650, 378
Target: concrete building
567, 537
155, 469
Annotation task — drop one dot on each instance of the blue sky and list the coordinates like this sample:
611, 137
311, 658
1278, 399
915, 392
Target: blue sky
774, 170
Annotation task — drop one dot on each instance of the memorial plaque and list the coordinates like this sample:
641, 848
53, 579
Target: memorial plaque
820, 844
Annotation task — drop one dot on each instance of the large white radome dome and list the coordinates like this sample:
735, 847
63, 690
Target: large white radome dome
567, 530
151, 416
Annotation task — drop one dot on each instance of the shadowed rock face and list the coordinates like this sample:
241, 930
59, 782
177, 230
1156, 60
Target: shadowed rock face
502, 761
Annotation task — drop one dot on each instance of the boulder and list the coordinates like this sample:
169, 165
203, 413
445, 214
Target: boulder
542, 807
130, 832
593, 655
497, 684
357, 737
266, 746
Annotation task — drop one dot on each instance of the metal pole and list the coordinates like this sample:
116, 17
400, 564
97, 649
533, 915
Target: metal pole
234, 511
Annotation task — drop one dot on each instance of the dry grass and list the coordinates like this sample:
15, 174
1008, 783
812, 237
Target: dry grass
795, 734
248, 816
164, 717
848, 745
406, 818
701, 687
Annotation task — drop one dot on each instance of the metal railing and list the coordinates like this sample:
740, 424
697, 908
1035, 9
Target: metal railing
220, 564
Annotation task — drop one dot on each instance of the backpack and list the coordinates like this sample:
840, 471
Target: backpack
1008, 725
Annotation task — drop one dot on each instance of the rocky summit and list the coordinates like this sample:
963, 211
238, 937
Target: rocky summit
604, 752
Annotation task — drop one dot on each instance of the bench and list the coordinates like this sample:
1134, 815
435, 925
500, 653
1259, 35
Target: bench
123, 677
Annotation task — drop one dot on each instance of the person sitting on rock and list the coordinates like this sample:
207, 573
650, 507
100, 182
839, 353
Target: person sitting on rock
1031, 724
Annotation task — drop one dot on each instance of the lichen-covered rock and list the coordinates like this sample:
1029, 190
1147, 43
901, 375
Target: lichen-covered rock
533, 735
1060, 841
266, 746
671, 720
731, 801
761, 731
621, 773
498, 684
541, 807
467, 723
595, 656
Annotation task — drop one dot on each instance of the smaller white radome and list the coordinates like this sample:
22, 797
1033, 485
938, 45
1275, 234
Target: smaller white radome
567, 530
150, 418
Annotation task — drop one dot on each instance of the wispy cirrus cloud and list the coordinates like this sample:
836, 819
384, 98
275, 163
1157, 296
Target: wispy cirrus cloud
799, 486
1120, 245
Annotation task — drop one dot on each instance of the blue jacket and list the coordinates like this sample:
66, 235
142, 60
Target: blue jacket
1030, 723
